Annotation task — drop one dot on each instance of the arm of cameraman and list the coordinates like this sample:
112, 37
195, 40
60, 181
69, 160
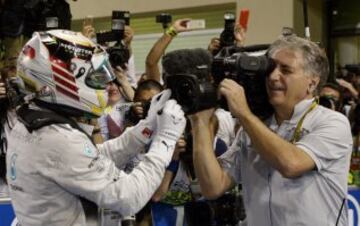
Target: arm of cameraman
290, 160
153, 58
214, 45
239, 34
125, 87
214, 181
128, 37
348, 86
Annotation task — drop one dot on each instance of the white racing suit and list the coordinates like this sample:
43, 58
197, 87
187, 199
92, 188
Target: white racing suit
50, 168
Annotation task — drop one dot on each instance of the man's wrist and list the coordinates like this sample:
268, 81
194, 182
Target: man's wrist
197, 121
246, 119
171, 31
176, 155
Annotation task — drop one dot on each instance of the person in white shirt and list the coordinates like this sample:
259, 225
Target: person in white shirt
51, 161
294, 165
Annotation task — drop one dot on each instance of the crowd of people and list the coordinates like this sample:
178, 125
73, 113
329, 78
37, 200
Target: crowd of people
84, 130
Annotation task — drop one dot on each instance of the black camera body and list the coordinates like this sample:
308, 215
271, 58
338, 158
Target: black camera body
329, 102
24, 17
353, 68
192, 93
356, 125
118, 21
249, 67
164, 18
119, 54
46, 15
227, 35
227, 210
195, 94
133, 117
120, 15
109, 36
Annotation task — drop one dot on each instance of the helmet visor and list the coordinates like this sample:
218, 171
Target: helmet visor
102, 72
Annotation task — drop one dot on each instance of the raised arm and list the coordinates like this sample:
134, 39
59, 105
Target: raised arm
156, 52
214, 181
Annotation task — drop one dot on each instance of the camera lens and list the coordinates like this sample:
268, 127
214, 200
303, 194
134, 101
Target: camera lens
327, 102
185, 92
118, 56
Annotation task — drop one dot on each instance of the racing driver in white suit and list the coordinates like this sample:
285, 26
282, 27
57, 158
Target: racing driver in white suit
50, 167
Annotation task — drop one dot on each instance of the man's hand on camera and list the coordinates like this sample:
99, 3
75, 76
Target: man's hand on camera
181, 25
214, 45
138, 109
235, 96
239, 34
203, 118
128, 36
121, 75
88, 31
124, 85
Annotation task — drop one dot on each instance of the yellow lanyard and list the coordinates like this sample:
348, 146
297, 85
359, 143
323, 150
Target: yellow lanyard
297, 133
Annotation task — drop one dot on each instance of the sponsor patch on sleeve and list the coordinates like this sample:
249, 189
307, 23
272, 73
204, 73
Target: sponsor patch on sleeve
90, 151
147, 132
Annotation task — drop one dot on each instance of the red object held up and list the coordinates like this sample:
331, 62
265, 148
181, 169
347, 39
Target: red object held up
244, 18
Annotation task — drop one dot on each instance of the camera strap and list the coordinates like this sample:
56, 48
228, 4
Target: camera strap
296, 136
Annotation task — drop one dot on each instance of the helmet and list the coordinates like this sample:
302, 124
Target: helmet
66, 70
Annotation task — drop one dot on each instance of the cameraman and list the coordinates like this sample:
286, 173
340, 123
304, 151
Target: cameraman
144, 92
294, 165
88, 30
179, 187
